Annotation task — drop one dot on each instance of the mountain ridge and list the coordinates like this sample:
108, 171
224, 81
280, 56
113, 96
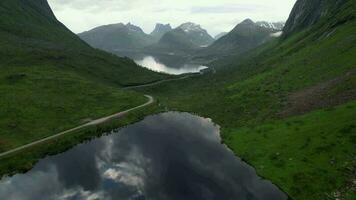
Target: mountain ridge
113, 37
243, 37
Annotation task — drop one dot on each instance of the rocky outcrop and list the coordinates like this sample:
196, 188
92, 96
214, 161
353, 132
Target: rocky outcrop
160, 30
308, 12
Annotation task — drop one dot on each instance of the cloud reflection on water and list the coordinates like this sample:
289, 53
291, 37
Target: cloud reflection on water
167, 156
153, 64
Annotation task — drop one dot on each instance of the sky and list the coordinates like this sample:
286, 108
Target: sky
214, 15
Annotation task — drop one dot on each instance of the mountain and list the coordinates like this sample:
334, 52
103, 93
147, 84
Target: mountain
175, 40
306, 13
185, 38
160, 30
197, 35
51, 81
245, 36
220, 35
116, 37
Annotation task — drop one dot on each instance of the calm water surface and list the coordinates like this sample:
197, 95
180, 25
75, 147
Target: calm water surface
171, 156
154, 64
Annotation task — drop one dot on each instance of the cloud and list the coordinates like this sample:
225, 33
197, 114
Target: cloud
230, 8
214, 15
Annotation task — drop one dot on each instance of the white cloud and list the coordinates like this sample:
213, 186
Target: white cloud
214, 15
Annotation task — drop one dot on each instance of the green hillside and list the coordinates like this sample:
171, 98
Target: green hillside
51, 81
287, 107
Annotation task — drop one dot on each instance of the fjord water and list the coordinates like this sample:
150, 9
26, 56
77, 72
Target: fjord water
154, 64
169, 63
166, 156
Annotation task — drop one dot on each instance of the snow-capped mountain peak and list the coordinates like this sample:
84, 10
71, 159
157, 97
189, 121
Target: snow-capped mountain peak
278, 26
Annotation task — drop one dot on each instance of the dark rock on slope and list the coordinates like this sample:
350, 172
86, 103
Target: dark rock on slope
307, 12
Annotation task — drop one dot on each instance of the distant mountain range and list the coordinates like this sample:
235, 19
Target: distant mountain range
121, 37
188, 37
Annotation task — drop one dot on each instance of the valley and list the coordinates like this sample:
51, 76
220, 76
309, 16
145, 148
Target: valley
279, 96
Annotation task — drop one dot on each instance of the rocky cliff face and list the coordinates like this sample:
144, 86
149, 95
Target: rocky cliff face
308, 12
160, 30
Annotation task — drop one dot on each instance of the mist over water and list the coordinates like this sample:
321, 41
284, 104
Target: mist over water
154, 64
171, 156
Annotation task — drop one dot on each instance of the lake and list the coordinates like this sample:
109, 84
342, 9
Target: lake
155, 64
166, 63
170, 156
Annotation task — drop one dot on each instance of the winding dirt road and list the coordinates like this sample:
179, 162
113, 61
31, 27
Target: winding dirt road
160, 82
98, 121
92, 123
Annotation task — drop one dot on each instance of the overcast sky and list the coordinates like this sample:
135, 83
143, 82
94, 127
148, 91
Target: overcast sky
214, 15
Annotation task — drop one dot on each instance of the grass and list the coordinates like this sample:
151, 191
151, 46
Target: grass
43, 100
318, 146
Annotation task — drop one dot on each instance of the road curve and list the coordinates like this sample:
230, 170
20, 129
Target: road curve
162, 81
92, 123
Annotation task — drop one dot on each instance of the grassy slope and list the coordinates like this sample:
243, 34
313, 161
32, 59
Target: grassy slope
251, 93
51, 81
40, 102
309, 156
